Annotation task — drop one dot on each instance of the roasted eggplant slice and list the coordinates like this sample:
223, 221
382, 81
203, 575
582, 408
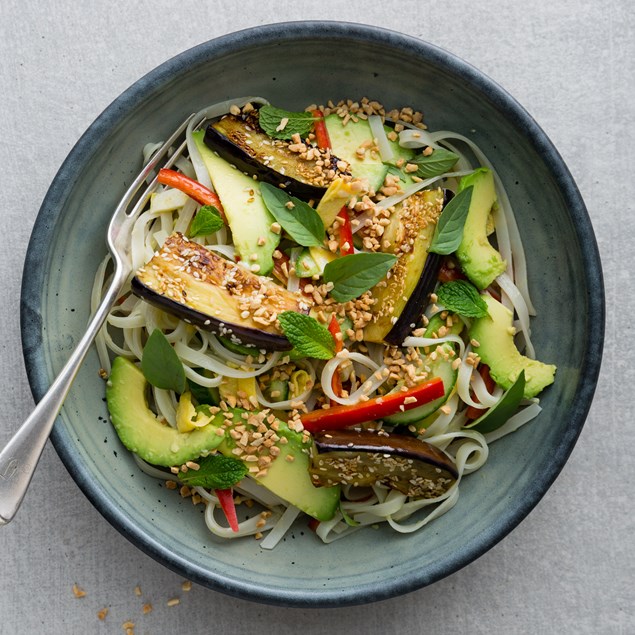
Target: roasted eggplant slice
401, 298
243, 143
363, 458
198, 286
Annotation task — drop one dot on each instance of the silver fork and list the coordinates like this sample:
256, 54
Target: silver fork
20, 456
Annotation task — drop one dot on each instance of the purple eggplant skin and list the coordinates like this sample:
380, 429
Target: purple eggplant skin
394, 444
244, 335
233, 154
411, 313
417, 301
363, 458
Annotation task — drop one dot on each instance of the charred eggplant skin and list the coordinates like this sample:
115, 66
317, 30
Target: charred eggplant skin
243, 144
245, 335
199, 286
419, 297
363, 457
417, 301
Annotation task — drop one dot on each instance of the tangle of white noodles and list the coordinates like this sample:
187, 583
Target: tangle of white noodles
378, 377
247, 527
208, 362
518, 302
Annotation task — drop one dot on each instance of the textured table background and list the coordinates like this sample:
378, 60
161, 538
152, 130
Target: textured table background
570, 566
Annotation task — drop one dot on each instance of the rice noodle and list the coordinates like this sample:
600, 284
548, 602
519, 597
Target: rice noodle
379, 134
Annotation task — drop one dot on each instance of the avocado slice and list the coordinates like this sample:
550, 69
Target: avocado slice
345, 140
141, 431
479, 260
246, 212
408, 236
495, 335
288, 475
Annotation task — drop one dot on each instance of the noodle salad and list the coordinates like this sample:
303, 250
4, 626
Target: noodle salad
329, 314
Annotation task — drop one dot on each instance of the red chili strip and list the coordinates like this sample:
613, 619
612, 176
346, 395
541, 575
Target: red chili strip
345, 233
340, 417
192, 188
336, 332
226, 500
321, 133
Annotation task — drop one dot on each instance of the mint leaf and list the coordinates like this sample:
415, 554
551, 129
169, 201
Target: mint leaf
308, 336
207, 221
301, 221
449, 230
438, 162
497, 415
353, 275
462, 297
270, 119
160, 364
216, 471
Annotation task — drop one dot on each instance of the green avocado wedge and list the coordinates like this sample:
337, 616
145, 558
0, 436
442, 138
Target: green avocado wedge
498, 415
141, 431
495, 336
480, 261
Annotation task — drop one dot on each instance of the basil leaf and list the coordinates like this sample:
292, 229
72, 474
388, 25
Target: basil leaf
497, 415
216, 471
462, 297
240, 349
207, 221
308, 336
438, 162
449, 230
395, 171
353, 275
301, 221
160, 364
270, 119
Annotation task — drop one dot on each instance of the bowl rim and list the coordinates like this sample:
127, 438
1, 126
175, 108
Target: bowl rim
34, 276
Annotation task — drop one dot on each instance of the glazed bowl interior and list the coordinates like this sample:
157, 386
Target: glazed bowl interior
294, 65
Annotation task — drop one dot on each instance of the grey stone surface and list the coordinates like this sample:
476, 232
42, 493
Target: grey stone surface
570, 566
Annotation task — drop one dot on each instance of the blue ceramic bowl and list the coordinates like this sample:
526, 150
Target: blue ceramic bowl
293, 65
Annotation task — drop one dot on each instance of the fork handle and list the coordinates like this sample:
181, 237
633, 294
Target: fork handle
20, 456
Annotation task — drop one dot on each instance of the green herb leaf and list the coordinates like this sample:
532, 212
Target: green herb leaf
449, 230
497, 415
348, 519
270, 119
462, 297
216, 471
240, 349
160, 364
395, 171
207, 221
301, 221
438, 162
353, 275
307, 335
